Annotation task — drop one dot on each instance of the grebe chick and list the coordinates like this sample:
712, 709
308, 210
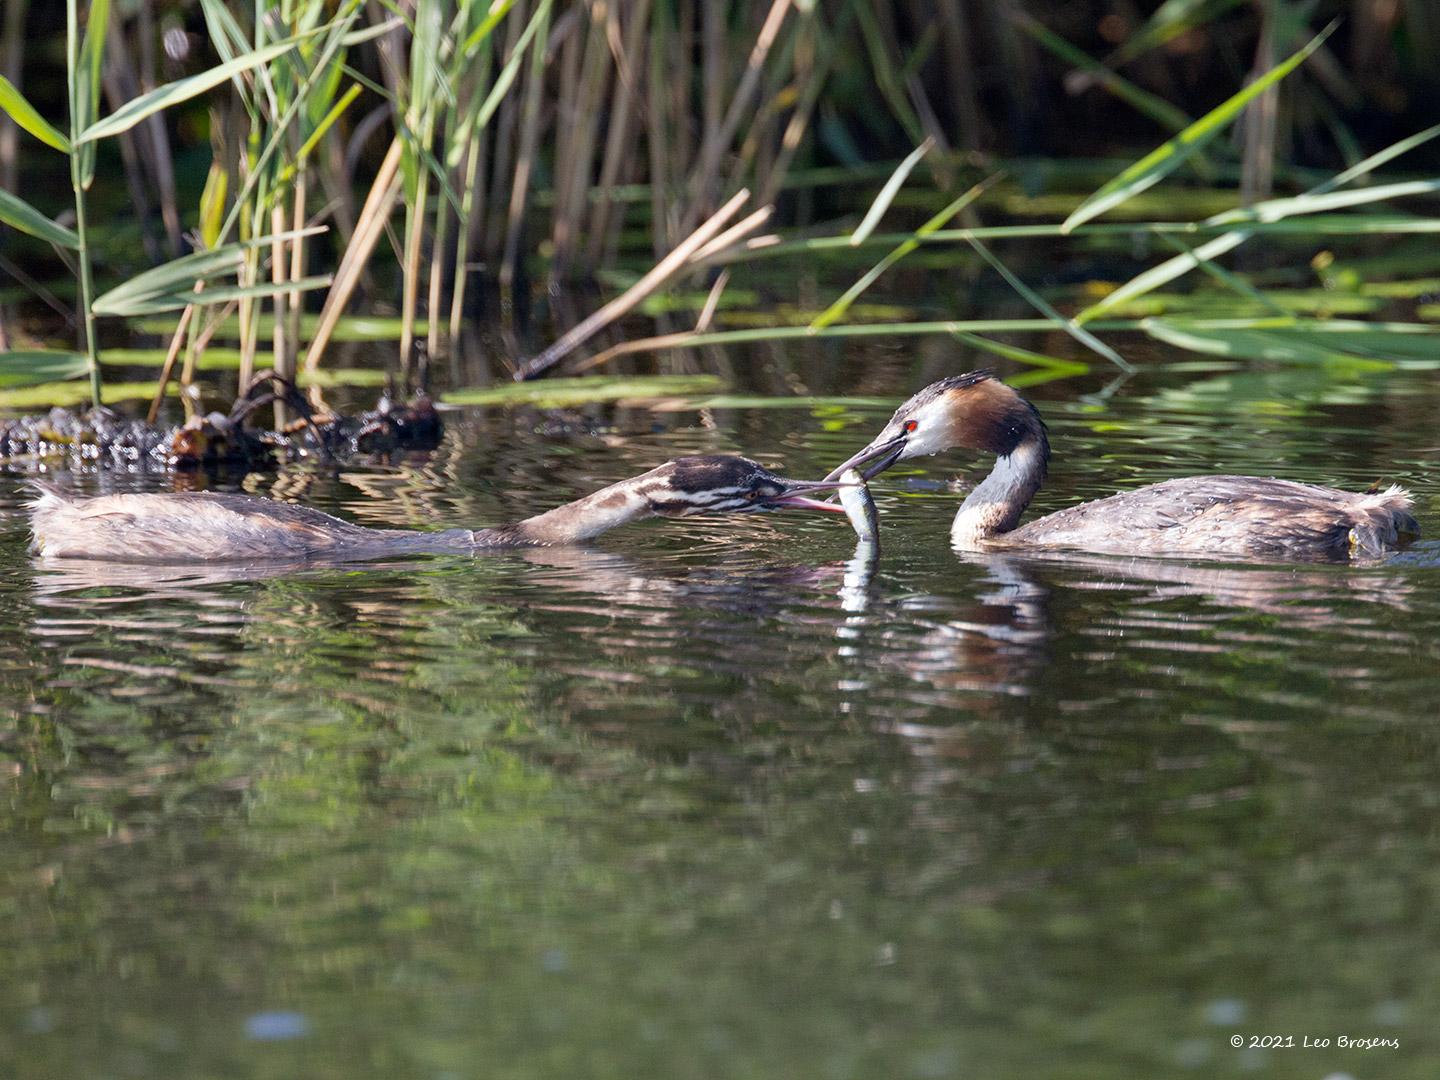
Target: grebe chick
1198, 515
207, 527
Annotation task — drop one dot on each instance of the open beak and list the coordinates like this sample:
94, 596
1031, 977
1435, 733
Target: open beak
795, 499
877, 457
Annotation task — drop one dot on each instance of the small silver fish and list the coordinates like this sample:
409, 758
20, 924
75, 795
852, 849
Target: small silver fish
859, 506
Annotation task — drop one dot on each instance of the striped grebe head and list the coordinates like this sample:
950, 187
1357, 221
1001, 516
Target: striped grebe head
722, 483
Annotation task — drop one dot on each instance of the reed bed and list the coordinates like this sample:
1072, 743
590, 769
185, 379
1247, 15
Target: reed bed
441, 142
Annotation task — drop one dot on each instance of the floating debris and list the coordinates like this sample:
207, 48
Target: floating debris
102, 438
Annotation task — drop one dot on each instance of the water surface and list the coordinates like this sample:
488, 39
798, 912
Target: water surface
701, 801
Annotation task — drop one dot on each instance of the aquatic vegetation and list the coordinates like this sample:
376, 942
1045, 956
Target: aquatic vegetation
520, 139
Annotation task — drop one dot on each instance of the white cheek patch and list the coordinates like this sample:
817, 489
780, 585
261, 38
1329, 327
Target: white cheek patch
925, 441
933, 432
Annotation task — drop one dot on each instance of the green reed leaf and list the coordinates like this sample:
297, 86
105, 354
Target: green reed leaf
837, 310
18, 214
557, 393
25, 115
173, 93
25, 367
177, 278
1166, 158
888, 192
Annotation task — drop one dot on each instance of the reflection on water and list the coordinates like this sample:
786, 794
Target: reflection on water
728, 797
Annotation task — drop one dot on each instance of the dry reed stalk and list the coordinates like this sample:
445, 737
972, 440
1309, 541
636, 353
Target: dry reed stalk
1013, 53
704, 181
964, 100
738, 251
940, 163
491, 240
662, 272
473, 205
199, 342
712, 302
374, 216
813, 59
474, 196
567, 50
410, 268
680, 79
618, 140
12, 55
757, 152
294, 302
566, 46
574, 183
118, 78
626, 348
884, 65
177, 341
633, 172
733, 235
12, 66
279, 269
338, 194
388, 47
439, 250
657, 137
161, 160
1260, 121
756, 155
663, 341
438, 242
525, 159
714, 62
249, 316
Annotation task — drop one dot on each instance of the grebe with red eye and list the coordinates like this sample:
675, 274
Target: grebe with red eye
1198, 515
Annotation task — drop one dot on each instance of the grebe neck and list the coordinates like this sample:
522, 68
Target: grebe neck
996, 504
581, 520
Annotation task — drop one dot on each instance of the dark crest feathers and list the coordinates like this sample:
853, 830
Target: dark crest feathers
705, 472
944, 386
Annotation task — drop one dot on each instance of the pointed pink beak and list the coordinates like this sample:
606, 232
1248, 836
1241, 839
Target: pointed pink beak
793, 500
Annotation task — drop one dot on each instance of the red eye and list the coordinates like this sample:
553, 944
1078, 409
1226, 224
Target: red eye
910, 425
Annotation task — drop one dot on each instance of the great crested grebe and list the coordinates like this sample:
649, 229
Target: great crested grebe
206, 527
1198, 515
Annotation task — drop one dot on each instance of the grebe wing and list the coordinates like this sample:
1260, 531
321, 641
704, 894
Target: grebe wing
1236, 515
198, 526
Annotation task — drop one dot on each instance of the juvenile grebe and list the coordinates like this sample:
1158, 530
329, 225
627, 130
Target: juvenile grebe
1198, 515
206, 527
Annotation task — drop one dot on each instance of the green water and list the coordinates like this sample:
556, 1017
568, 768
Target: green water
691, 803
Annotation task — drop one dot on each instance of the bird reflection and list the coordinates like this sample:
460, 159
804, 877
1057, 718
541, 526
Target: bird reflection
983, 641
857, 585
1304, 594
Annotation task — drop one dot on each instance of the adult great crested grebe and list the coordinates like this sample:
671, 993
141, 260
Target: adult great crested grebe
1198, 515
206, 527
